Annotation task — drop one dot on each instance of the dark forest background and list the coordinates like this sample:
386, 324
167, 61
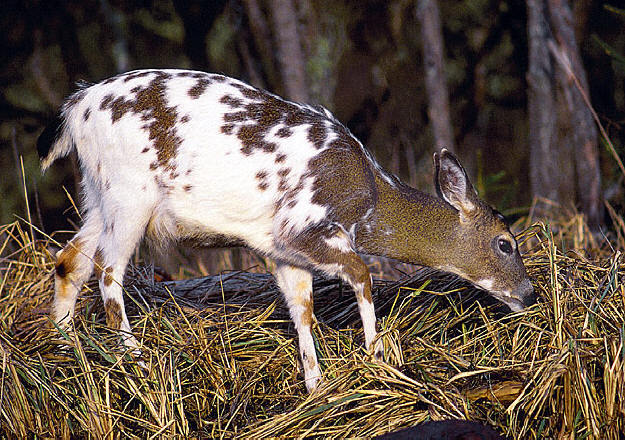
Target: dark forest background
502, 82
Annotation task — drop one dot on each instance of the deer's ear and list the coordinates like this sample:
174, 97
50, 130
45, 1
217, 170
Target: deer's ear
452, 183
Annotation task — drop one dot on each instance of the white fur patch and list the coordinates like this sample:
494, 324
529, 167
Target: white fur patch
340, 242
486, 284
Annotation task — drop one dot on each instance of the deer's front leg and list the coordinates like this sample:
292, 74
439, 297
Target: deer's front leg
329, 248
358, 276
296, 285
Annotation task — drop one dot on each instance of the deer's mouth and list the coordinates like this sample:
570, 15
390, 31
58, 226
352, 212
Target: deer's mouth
516, 302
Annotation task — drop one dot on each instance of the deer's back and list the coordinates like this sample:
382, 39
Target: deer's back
217, 156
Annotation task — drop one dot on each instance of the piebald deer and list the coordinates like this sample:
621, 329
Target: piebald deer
185, 156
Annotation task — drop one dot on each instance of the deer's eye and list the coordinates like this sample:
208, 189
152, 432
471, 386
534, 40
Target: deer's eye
505, 246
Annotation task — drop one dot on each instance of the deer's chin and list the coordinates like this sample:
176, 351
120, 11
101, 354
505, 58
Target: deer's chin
517, 300
515, 305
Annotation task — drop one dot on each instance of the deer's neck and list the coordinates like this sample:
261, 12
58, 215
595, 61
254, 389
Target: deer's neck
407, 225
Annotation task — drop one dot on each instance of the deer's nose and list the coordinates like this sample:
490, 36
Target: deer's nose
527, 294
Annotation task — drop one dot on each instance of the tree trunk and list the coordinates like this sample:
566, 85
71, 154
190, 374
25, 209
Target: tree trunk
564, 155
546, 171
584, 131
289, 50
261, 36
435, 83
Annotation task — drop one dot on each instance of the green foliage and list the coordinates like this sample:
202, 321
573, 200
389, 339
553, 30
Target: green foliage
610, 51
614, 9
166, 24
220, 42
498, 187
24, 97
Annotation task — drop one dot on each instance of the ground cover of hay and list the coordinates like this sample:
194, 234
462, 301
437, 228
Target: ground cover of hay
221, 354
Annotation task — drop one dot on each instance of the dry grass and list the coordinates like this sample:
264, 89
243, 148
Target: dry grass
222, 359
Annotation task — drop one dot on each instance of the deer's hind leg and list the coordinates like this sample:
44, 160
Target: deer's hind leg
74, 266
117, 243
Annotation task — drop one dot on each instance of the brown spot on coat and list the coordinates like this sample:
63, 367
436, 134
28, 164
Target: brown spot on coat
67, 261
249, 92
185, 119
317, 134
263, 185
302, 286
86, 114
187, 188
108, 277
284, 132
251, 136
266, 111
114, 315
235, 117
199, 88
145, 150
132, 75
283, 172
269, 147
231, 101
312, 363
308, 312
261, 175
119, 107
280, 158
106, 101
150, 102
98, 263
